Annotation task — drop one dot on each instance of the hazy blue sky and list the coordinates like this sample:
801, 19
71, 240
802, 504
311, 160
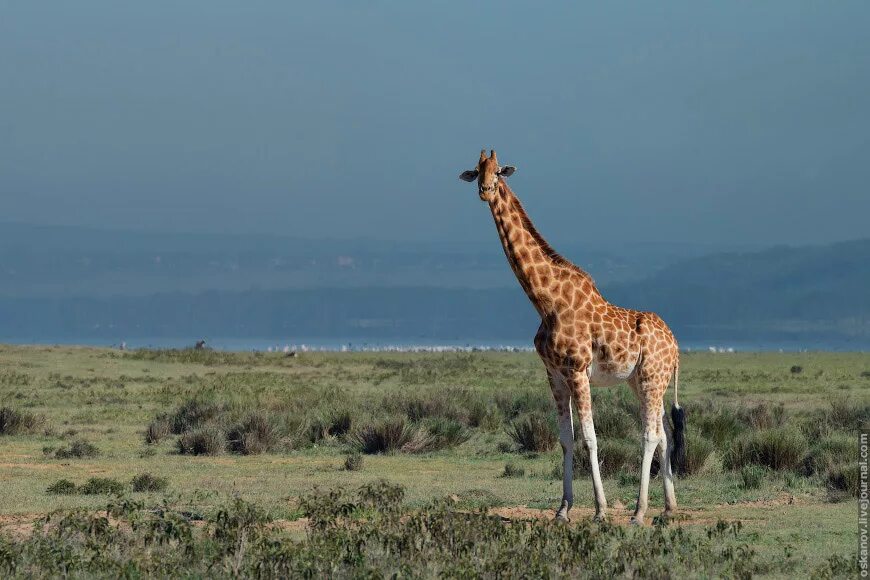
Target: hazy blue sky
668, 121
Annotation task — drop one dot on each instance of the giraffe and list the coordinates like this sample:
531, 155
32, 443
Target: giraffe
584, 340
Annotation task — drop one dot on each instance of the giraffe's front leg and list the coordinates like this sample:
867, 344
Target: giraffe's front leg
583, 396
566, 440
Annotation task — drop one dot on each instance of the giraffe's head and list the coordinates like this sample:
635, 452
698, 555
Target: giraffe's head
487, 173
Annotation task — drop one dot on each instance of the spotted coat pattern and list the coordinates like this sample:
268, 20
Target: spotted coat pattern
583, 340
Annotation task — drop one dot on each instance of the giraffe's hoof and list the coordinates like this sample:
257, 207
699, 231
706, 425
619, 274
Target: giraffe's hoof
562, 516
636, 521
599, 517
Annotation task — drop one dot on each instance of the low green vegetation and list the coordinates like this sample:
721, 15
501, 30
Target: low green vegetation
764, 444
367, 533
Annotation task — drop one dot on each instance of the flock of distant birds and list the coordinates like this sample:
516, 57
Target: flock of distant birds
294, 350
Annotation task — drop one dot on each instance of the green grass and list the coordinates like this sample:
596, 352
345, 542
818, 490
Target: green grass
282, 426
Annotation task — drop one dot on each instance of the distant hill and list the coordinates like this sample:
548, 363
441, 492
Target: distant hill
57, 261
778, 292
803, 293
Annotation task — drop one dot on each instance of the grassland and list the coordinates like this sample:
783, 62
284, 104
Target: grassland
769, 435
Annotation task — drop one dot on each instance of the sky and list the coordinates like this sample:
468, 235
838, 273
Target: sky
689, 122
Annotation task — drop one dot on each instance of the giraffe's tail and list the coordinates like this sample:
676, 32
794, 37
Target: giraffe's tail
678, 417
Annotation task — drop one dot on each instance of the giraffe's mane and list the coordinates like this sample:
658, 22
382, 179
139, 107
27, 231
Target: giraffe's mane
546, 248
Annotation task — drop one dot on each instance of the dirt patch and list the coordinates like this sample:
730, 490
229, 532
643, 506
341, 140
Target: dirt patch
17, 525
622, 516
35, 466
780, 500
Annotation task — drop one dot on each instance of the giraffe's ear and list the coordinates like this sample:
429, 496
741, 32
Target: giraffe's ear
507, 170
469, 175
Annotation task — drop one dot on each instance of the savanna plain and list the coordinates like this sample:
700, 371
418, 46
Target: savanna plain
198, 463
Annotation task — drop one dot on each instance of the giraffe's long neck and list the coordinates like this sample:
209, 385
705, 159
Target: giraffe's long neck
531, 258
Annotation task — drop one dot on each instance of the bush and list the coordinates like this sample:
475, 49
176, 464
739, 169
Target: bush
513, 405
254, 435
484, 416
763, 417
204, 441
848, 415
613, 422
431, 404
844, 478
62, 487
332, 424
698, 450
719, 424
353, 462
614, 455
192, 415
157, 430
14, 422
751, 476
779, 449
148, 482
534, 432
830, 451
77, 450
513, 470
101, 486
391, 435
340, 423
446, 433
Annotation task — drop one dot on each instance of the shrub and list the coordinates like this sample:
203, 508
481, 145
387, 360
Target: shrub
333, 424
254, 435
204, 441
698, 450
779, 449
844, 478
484, 416
101, 486
751, 476
353, 462
340, 423
148, 482
763, 417
431, 404
534, 432
614, 455
830, 451
613, 422
14, 422
446, 433
513, 405
157, 430
78, 449
848, 415
193, 414
719, 424
513, 470
796, 369
390, 435
62, 487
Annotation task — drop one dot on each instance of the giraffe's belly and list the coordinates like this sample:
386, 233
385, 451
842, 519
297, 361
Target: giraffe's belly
606, 373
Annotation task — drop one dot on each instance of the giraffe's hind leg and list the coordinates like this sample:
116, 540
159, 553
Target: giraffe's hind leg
651, 403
